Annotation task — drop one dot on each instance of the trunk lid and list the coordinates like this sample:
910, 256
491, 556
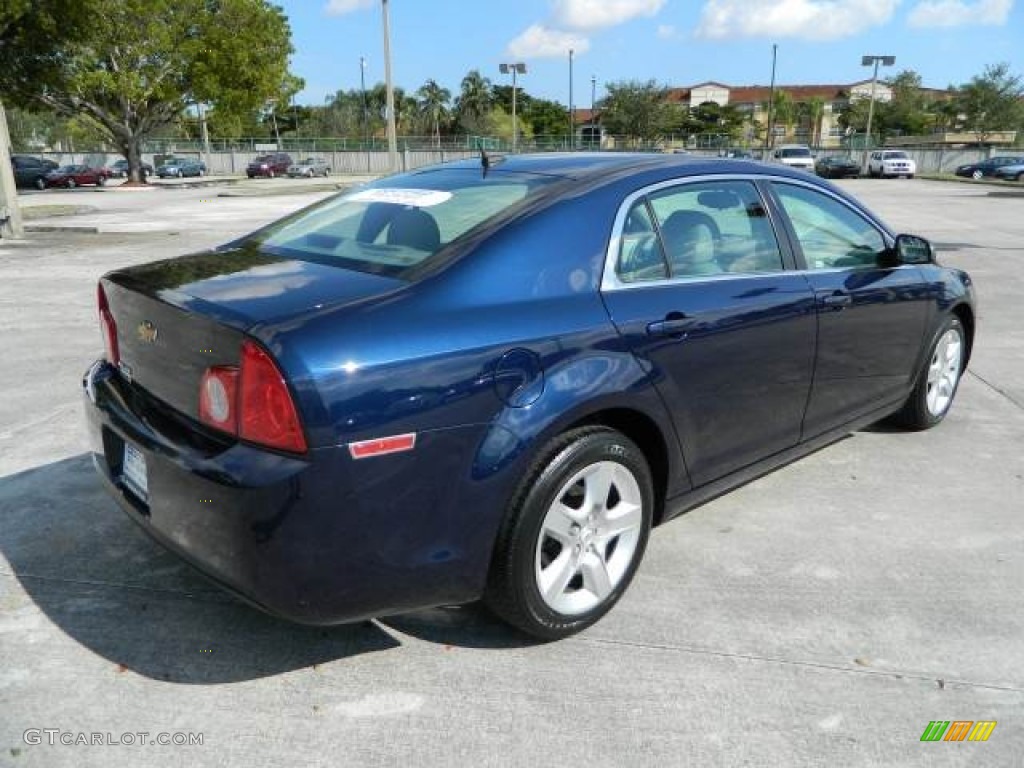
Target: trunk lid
178, 317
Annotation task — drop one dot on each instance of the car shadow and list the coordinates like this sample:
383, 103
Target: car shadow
98, 578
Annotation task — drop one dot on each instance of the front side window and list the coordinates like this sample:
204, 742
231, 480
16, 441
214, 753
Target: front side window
710, 228
831, 234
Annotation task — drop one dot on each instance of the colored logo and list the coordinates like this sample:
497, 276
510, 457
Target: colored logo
958, 730
147, 332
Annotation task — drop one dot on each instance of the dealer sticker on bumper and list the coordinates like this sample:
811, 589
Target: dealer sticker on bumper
133, 471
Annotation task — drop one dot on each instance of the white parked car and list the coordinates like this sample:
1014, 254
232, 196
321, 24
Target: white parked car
891, 162
795, 156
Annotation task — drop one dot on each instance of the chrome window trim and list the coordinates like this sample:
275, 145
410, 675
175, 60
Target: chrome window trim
610, 279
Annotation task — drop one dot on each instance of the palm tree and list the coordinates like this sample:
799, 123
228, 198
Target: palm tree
475, 99
816, 110
433, 105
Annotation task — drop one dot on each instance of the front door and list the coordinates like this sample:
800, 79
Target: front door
871, 317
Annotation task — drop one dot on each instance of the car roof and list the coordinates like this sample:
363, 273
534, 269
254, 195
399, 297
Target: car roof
595, 165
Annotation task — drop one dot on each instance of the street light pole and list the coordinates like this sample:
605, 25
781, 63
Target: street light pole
366, 117
392, 132
867, 61
572, 111
520, 68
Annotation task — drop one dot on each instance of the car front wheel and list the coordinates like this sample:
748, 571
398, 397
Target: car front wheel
936, 385
977, 175
574, 534
40, 183
71, 184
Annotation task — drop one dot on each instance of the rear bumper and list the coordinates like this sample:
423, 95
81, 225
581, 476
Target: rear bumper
316, 540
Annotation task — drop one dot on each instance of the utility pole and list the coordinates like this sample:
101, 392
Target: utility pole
10, 212
867, 61
770, 130
392, 131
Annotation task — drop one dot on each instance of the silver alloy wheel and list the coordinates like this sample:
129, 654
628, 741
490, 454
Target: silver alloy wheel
944, 372
977, 174
588, 538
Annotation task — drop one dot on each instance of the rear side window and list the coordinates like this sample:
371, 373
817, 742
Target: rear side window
712, 228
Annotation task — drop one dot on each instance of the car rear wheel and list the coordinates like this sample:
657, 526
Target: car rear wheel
270, 174
574, 534
976, 174
327, 172
936, 386
101, 181
39, 183
71, 184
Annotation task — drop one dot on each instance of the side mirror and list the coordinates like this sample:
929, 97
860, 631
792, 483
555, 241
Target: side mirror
911, 249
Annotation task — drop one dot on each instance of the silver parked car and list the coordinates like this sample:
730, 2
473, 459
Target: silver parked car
310, 167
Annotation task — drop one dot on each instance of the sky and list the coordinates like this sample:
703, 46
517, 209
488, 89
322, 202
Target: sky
675, 42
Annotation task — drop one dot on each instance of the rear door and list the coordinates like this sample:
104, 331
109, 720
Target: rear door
871, 317
696, 282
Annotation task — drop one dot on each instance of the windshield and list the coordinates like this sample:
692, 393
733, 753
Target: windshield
796, 152
398, 223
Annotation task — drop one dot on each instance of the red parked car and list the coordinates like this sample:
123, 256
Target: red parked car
71, 176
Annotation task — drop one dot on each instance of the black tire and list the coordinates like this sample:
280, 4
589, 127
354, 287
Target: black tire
916, 413
100, 181
270, 174
70, 184
977, 174
327, 172
512, 591
39, 183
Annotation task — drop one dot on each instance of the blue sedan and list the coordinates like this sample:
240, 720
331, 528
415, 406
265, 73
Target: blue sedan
491, 379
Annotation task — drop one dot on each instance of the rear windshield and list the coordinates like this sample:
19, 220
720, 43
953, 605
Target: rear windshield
396, 224
896, 155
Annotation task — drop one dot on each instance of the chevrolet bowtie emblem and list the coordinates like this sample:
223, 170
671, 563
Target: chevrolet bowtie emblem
147, 332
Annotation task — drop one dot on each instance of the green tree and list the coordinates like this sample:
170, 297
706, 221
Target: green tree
783, 113
992, 101
134, 66
637, 110
433, 101
474, 103
546, 117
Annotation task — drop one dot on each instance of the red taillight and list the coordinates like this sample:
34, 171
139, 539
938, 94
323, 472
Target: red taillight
267, 414
108, 328
251, 401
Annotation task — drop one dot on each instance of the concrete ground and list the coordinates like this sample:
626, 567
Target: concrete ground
820, 616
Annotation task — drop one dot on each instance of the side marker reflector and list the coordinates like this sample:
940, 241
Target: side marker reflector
382, 446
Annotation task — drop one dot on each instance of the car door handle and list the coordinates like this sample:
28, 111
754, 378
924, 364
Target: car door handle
837, 300
674, 324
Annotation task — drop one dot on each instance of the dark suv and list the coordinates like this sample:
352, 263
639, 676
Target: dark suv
31, 171
274, 164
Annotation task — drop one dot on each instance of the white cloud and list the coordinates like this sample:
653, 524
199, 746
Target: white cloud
595, 14
956, 13
807, 19
341, 7
666, 31
540, 42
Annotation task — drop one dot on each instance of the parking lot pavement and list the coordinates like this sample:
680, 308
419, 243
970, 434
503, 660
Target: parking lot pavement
822, 615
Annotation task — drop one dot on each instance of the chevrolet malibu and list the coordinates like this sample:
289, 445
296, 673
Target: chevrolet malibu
491, 379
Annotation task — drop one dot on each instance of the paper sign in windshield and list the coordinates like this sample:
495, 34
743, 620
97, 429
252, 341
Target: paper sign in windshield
420, 198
